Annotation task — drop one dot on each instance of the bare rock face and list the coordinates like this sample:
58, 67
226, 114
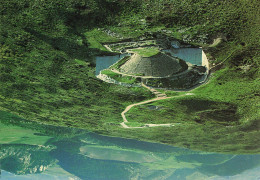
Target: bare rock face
159, 65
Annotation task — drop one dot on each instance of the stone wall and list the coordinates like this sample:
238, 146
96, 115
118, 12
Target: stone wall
205, 61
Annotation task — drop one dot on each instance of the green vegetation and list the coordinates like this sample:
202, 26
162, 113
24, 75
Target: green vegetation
184, 82
119, 77
96, 38
100, 36
47, 68
16, 135
232, 86
121, 62
95, 44
185, 109
43, 75
217, 114
146, 52
171, 93
134, 124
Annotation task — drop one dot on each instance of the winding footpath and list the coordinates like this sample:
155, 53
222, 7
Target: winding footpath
159, 96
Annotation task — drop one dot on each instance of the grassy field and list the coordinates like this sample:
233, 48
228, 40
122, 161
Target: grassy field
19, 135
146, 52
211, 99
97, 37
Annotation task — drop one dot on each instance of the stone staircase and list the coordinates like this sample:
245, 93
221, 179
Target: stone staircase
154, 91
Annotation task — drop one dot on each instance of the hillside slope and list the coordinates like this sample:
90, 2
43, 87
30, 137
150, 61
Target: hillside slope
47, 52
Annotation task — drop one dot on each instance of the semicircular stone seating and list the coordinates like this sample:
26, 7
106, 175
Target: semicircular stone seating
159, 65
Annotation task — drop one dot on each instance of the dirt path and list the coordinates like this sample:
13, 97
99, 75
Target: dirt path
216, 42
136, 104
108, 48
159, 96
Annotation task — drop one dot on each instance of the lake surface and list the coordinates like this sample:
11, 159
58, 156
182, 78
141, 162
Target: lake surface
34, 151
103, 62
191, 55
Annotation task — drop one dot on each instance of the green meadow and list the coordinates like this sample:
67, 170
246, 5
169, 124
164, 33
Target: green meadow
47, 69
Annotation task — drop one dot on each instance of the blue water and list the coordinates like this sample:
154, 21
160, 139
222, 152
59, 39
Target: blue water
67, 153
191, 55
103, 62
